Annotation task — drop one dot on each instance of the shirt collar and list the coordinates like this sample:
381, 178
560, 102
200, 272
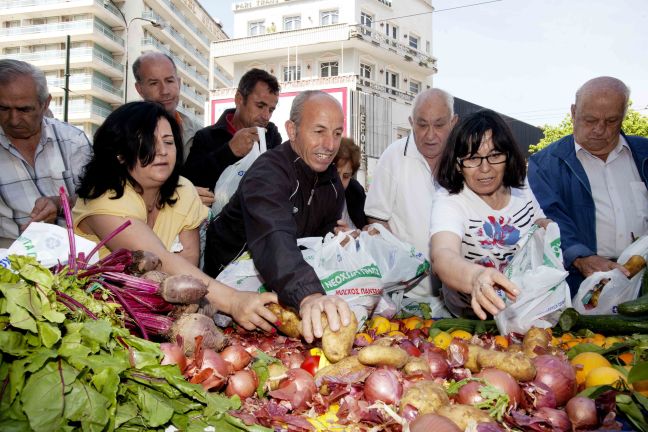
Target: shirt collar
621, 145
47, 135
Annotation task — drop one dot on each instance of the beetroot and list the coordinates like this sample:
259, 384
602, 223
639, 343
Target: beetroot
183, 289
191, 325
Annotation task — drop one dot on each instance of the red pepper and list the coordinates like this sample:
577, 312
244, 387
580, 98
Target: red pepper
311, 364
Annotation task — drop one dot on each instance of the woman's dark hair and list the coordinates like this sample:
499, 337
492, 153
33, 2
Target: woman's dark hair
126, 137
348, 151
464, 141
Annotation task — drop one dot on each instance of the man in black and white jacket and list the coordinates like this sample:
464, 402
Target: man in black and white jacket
291, 192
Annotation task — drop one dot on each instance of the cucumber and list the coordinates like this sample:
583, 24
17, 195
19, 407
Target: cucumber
475, 326
611, 325
636, 307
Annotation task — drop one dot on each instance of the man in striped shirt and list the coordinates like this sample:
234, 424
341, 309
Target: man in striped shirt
38, 155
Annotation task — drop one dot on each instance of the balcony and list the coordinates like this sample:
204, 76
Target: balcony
82, 112
24, 9
224, 79
192, 96
370, 86
49, 33
171, 35
198, 119
185, 69
87, 84
79, 57
172, 13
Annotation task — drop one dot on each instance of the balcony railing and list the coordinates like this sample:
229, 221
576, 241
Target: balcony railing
85, 81
178, 61
178, 14
373, 85
199, 120
222, 76
188, 91
81, 110
177, 37
81, 54
384, 41
62, 27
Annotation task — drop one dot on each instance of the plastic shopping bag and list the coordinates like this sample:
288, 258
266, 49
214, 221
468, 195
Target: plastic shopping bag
49, 244
602, 292
231, 177
537, 269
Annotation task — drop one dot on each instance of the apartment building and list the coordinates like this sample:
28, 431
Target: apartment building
106, 37
373, 55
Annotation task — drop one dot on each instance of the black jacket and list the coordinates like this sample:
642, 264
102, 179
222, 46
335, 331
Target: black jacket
279, 200
210, 152
355, 201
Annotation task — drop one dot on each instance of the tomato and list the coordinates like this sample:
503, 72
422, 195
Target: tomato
311, 364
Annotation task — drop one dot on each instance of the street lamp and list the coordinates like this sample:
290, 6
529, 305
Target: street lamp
126, 26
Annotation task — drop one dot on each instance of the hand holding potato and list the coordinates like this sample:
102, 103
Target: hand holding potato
311, 309
484, 294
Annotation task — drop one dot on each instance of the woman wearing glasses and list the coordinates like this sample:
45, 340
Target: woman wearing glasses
476, 225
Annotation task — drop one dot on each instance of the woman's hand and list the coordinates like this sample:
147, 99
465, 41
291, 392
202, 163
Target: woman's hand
311, 308
248, 309
484, 294
543, 222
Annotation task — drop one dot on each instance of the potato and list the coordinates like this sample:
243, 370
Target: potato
517, 364
535, 337
416, 365
347, 365
464, 415
276, 373
290, 324
471, 361
426, 396
377, 355
338, 345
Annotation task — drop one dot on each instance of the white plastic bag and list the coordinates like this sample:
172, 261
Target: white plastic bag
602, 292
231, 177
49, 244
537, 269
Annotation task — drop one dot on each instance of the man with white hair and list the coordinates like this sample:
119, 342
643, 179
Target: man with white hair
38, 154
593, 183
403, 187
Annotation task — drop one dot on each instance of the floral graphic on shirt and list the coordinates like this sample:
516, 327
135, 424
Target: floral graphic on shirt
498, 233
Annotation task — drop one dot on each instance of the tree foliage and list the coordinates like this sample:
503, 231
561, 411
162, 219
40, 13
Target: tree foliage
634, 124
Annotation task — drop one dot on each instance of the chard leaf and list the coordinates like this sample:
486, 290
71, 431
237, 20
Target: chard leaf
21, 319
37, 359
219, 403
13, 343
7, 276
107, 383
43, 396
628, 407
117, 361
71, 347
125, 413
98, 331
143, 345
30, 269
141, 359
157, 383
53, 316
639, 372
261, 369
14, 425
86, 405
155, 407
49, 334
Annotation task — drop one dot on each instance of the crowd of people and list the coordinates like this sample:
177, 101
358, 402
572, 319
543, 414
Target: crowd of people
457, 189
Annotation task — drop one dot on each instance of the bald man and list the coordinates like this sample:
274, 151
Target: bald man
593, 183
157, 80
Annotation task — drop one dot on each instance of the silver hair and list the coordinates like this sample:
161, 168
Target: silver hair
605, 82
11, 69
297, 107
447, 97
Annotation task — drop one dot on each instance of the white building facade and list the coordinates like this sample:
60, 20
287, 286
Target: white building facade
106, 37
373, 55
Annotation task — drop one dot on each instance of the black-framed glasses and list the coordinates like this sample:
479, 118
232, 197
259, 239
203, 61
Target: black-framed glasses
476, 161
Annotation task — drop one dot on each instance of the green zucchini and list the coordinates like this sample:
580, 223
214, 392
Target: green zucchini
609, 325
636, 307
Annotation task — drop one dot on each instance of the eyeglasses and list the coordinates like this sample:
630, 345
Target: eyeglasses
476, 161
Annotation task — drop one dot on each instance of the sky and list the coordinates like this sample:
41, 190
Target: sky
527, 58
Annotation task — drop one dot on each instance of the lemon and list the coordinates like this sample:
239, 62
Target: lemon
605, 375
588, 361
442, 340
461, 334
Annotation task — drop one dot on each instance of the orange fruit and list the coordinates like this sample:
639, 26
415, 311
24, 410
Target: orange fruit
413, 322
627, 357
567, 337
605, 375
380, 325
461, 334
598, 339
501, 341
588, 361
364, 336
396, 334
611, 340
428, 323
641, 387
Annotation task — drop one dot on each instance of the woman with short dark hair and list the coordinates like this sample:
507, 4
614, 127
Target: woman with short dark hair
347, 162
475, 227
134, 175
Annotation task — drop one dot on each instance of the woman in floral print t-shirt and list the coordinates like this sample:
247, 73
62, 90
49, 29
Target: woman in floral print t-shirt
477, 224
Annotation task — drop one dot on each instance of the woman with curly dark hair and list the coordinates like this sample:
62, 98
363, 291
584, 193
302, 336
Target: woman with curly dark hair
134, 175
347, 162
488, 208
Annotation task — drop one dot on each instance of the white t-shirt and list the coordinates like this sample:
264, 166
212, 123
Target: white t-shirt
488, 237
401, 194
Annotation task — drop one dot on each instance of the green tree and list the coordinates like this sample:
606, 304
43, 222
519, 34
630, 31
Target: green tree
634, 124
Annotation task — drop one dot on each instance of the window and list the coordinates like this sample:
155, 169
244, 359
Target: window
329, 17
365, 71
413, 41
256, 28
292, 73
292, 22
427, 47
391, 79
328, 69
366, 20
414, 86
391, 30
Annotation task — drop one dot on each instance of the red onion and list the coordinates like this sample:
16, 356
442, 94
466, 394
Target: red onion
557, 374
408, 412
558, 419
537, 395
582, 412
211, 359
439, 367
433, 422
457, 352
173, 354
298, 388
469, 393
243, 383
237, 356
409, 347
504, 382
291, 359
383, 385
